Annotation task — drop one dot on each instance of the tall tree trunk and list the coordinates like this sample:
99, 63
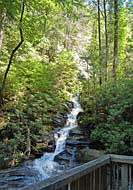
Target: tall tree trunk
2, 20
115, 58
99, 40
12, 54
1, 36
106, 41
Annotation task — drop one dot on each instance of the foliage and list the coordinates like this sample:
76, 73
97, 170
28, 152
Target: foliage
112, 116
66, 72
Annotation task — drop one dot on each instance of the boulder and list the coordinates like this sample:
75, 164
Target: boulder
87, 154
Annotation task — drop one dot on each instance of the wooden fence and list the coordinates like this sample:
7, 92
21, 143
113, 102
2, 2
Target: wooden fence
109, 172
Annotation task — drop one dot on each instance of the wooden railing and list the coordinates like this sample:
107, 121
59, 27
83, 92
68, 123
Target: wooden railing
121, 168
110, 172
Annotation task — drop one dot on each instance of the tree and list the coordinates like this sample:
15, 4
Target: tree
99, 40
2, 19
13, 53
106, 40
115, 56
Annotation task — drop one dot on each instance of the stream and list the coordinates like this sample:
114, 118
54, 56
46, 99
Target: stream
46, 166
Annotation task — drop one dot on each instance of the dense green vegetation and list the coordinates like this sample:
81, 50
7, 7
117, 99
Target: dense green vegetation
39, 42
110, 111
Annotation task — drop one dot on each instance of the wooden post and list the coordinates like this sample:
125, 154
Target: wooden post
124, 176
69, 186
108, 177
94, 179
91, 181
130, 177
100, 179
117, 176
88, 182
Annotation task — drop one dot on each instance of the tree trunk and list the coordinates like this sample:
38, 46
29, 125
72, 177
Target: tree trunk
99, 40
106, 41
12, 54
1, 36
28, 143
2, 19
13, 161
115, 58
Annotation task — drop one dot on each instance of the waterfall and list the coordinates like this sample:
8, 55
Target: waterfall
46, 164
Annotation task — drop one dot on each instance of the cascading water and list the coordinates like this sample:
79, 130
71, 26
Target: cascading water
45, 166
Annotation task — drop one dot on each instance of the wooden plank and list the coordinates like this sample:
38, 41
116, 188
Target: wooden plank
81, 183
94, 179
130, 177
112, 176
68, 187
91, 181
88, 182
72, 186
104, 178
78, 184
124, 176
117, 176
97, 179
108, 177
85, 182
100, 179
121, 159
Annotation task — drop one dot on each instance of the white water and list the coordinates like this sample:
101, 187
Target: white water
46, 166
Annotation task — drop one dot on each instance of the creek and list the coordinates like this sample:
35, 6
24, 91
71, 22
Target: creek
46, 166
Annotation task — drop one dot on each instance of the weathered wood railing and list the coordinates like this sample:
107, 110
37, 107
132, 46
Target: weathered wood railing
110, 172
121, 168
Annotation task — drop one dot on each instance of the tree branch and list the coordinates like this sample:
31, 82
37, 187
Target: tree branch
13, 53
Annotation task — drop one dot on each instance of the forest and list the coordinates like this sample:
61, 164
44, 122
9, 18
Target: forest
52, 49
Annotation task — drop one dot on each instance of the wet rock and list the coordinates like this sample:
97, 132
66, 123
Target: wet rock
61, 117
76, 132
67, 158
87, 154
64, 157
60, 120
71, 151
78, 138
77, 143
17, 177
80, 117
69, 104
